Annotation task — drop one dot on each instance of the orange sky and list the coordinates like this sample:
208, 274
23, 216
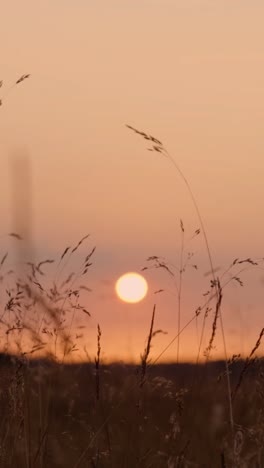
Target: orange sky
189, 72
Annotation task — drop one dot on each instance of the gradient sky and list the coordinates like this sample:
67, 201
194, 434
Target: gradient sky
190, 73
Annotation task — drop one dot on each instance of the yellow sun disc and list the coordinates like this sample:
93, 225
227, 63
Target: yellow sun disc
131, 287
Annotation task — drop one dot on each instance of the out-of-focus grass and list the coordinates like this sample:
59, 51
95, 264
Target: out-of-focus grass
51, 416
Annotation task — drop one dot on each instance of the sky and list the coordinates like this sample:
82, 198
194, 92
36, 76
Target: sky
191, 74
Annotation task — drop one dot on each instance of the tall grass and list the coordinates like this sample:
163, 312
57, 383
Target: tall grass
93, 415
157, 146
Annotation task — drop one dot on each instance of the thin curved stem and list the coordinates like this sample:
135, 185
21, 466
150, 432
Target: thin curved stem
172, 160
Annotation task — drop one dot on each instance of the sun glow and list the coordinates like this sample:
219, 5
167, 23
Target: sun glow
131, 287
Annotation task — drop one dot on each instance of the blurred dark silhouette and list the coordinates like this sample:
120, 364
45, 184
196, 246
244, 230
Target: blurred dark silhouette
22, 204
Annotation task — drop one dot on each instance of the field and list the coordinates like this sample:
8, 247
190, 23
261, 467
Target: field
55, 415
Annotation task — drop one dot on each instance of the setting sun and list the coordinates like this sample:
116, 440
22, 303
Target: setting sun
131, 287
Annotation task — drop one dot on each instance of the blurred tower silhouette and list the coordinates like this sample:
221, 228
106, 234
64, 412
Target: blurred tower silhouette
22, 204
